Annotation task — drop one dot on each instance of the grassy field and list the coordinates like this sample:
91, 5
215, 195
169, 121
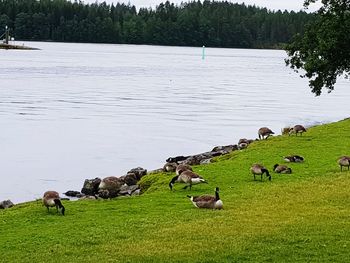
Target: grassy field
302, 217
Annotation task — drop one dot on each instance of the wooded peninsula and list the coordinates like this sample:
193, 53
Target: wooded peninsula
196, 23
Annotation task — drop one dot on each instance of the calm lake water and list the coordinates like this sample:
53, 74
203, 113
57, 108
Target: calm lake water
74, 111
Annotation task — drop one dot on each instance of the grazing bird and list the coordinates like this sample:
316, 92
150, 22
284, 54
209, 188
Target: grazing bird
297, 129
258, 169
294, 159
344, 161
264, 132
207, 201
188, 177
282, 169
183, 167
52, 198
285, 130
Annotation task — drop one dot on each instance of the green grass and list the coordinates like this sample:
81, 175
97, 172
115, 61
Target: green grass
302, 217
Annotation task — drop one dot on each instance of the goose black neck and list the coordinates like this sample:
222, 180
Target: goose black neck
217, 197
174, 179
172, 182
266, 172
59, 204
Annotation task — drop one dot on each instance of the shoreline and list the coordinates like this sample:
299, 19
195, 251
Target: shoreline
16, 47
196, 159
299, 216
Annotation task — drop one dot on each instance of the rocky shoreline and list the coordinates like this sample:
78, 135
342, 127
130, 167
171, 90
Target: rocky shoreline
127, 185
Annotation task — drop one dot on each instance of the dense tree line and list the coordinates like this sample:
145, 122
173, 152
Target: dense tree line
210, 23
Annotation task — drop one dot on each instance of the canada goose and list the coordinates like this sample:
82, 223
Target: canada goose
110, 182
169, 167
242, 145
344, 161
187, 177
52, 198
183, 167
264, 132
285, 130
282, 169
244, 140
258, 169
294, 158
297, 129
207, 201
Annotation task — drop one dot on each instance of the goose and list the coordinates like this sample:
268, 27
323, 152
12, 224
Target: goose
243, 140
285, 130
207, 201
258, 169
344, 161
169, 167
282, 169
52, 198
187, 177
264, 132
182, 167
242, 145
294, 158
297, 129
110, 182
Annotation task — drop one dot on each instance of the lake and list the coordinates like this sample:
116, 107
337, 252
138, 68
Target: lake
74, 111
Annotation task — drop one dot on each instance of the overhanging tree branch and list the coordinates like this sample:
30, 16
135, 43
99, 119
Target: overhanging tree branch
323, 52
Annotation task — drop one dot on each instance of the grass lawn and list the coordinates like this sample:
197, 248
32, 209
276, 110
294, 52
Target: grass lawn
302, 217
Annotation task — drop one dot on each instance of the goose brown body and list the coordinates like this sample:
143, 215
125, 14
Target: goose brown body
294, 158
169, 167
264, 133
110, 182
188, 177
344, 161
297, 129
258, 169
183, 167
52, 199
207, 201
283, 169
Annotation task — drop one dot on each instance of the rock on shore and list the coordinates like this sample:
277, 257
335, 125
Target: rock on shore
6, 204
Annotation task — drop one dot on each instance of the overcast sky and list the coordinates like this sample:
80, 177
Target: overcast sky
289, 5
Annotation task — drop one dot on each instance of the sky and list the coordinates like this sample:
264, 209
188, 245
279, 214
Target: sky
289, 5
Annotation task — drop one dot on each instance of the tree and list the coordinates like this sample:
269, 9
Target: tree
324, 49
193, 23
23, 26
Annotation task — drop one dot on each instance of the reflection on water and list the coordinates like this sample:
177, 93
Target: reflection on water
75, 111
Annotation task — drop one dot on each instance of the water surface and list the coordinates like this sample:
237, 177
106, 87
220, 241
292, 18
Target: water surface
74, 111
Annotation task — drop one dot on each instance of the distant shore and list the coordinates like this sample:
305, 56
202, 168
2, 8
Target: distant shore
21, 47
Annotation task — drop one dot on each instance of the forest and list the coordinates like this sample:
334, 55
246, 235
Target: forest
195, 23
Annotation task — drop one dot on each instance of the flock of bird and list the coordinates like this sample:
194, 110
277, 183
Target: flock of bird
185, 174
